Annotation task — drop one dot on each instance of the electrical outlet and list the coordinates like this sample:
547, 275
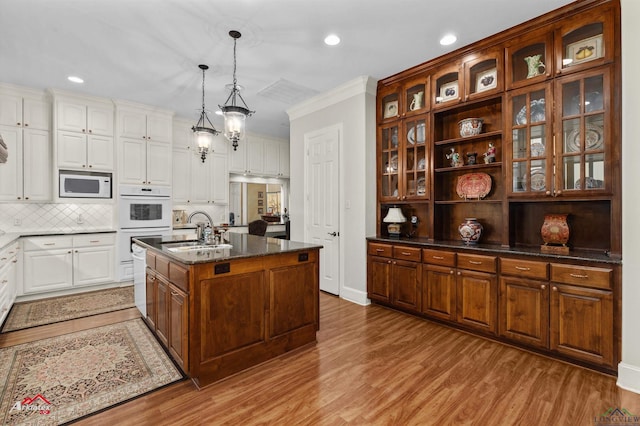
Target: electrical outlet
17, 222
79, 219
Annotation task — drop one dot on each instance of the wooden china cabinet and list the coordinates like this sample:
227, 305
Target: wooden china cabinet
548, 93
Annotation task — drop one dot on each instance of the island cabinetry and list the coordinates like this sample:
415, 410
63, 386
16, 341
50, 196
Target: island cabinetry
395, 275
524, 301
439, 284
477, 290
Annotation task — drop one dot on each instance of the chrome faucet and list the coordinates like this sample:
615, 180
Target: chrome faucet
199, 227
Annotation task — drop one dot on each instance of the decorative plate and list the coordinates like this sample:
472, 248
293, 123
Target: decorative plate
421, 164
394, 163
473, 185
422, 187
593, 139
537, 149
537, 112
411, 134
537, 180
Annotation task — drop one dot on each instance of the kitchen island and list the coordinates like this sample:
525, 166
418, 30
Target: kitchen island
221, 309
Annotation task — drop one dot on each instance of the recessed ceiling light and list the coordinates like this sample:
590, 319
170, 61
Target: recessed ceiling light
331, 40
74, 79
448, 39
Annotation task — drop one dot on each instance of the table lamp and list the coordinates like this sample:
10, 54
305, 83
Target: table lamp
394, 218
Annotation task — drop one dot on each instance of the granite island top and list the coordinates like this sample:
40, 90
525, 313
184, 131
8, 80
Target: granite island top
242, 246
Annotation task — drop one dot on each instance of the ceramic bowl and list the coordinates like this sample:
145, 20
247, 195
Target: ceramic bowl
470, 127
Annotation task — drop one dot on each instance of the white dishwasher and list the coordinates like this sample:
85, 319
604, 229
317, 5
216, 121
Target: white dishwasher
139, 255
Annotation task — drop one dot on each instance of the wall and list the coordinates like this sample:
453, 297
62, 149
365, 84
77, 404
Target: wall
629, 368
352, 106
55, 217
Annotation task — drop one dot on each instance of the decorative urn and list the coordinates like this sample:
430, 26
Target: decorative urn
470, 230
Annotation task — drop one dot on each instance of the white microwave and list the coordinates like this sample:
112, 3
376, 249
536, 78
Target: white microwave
77, 184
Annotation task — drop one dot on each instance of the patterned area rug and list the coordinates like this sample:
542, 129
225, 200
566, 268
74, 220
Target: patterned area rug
59, 379
56, 309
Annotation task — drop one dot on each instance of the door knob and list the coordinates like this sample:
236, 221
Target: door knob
333, 234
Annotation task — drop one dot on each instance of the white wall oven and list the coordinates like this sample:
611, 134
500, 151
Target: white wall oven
143, 211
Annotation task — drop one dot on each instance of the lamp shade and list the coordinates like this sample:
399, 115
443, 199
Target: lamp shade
394, 216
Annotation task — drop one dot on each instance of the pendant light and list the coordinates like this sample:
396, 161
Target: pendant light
203, 135
234, 114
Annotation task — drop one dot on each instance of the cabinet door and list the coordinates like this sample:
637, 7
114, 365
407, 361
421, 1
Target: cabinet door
284, 159
255, 155
179, 326
48, 270
414, 159
11, 171
72, 150
37, 165
181, 164
100, 120
158, 163
219, 179
238, 159
477, 295
159, 127
407, 284
583, 138
10, 110
133, 162
152, 307
530, 141
582, 323
529, 59
524, 311
71, 116
293, 291
162, 303
200, 188
36, 114
133, 124
93, 265
388, 163
378, 278
439, 292
100, 153
271, 157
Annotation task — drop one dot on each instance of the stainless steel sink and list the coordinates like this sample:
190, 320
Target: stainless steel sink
195, 246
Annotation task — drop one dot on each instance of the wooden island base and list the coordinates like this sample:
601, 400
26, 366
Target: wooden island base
222, 317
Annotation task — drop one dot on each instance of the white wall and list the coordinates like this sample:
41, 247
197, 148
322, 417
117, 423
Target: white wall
352, 106
629, 368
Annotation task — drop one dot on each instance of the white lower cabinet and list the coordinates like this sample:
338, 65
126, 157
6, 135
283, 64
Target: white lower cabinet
8, 278
57, 263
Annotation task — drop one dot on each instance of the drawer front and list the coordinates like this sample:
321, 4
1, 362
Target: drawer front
179, 276
47, 243
90, 240
581, 275
407, 253
524, 268
437, 257
162, 266
384, 250
477, 262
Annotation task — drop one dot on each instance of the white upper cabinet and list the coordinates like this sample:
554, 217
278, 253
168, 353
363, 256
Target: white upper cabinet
17, 110
84, 117
257, 155
147, 125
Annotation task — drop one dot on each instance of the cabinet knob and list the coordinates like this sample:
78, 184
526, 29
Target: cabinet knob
144, 137
148, 137
84, 131
548, 192
76, 251
69, 252
90, 165
543, 286
26, 124
554, 288
84, 165
18, 123
389, 262
19, 198
26, 198
451, 272
90, 131
459, 273
558, 192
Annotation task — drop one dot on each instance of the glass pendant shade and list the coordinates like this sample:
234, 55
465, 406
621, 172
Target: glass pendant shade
203, 135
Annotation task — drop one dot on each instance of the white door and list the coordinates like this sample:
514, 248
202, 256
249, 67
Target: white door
322, 214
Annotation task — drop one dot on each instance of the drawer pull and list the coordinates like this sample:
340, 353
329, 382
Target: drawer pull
579, 276
14, 261
438, 257
49, 244
404, 253
94, 241
5, 281
174, 293
379, 250
522, 268
475, 262
4, 258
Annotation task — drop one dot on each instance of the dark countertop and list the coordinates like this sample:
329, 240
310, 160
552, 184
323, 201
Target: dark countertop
244, 246
587, 256
10, 237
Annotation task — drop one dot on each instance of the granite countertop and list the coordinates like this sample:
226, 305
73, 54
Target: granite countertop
9, 237
589, 256
243, 246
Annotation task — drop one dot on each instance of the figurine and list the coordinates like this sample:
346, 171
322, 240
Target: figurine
490, 155
455, 158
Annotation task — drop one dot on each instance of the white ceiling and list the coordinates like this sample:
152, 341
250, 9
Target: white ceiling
148, 51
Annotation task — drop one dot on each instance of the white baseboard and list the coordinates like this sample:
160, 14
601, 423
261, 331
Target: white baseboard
629, 377
355, 296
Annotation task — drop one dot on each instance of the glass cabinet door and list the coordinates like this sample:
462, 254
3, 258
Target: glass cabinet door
415, 158
389, 165
531, 151
583, 140
529, 59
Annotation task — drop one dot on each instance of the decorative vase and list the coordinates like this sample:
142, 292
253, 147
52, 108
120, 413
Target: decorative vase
470, 230
555, 230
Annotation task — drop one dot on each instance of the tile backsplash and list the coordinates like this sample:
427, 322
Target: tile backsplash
21, 217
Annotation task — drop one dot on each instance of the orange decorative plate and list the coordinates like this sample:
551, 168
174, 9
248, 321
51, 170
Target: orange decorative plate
473, 185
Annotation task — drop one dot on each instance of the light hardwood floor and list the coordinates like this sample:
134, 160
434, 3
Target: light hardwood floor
375, 366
